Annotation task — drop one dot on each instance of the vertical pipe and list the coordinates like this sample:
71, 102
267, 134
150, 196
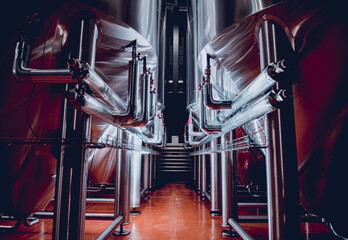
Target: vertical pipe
151, 172
215, 185
282, 186
175, 57
87, 48
154, 170
79, 187
199, 171
194, 171
146, 171
135, 173
204, 174
72, 169
234, 193
59, 177
226, 182
122, 205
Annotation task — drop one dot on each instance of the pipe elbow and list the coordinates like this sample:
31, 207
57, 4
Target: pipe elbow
212, 103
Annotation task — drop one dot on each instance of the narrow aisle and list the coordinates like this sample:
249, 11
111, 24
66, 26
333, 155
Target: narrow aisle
174, 212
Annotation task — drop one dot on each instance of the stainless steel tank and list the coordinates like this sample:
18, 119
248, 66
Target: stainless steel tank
31, 114
314, 33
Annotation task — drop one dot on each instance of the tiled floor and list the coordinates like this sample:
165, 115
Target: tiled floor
173, 212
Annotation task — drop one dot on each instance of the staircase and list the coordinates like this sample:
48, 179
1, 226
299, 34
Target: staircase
174, 165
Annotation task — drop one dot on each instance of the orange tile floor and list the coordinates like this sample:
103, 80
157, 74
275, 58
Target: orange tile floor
173, 212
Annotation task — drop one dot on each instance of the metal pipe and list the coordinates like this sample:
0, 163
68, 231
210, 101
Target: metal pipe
151, 176
215, 184
250, 204
110, 228
281, 155
146, 172
10, 228
122, 186
209, 101
25, 74
158, 131
144, 100
163, 142
30, 221
264, 105
79, 186
106, 200
204, 174
60, 173
264, 81
194, 170
212, 103
85, 74
132, 114
226, 182
199, 172
244, 234
135, 175
208, 128
89, 215
76, 155
95, 107
233, 181
257, 109
206, 195
190, 127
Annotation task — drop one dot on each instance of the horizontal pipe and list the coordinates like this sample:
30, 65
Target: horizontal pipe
240, 230
250, 204
111, 200
110, 228
30, 75
87, 215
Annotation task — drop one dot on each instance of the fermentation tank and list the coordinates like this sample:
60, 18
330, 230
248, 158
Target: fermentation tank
76, 75
31, 114
311, 37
